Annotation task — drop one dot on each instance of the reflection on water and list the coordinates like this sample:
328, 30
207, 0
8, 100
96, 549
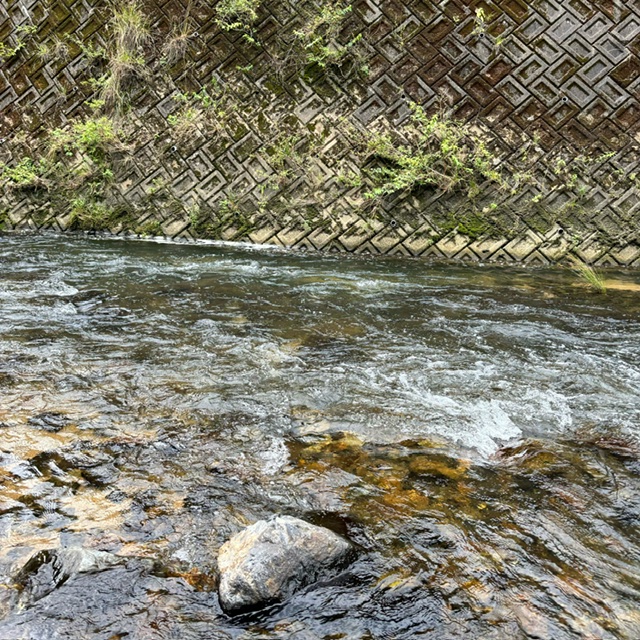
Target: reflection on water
473, 431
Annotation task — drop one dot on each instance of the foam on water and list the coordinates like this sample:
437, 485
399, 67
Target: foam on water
393, 349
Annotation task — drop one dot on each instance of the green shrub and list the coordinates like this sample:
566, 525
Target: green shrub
89, 214
94, 137
433, 150
237, 15
28, 173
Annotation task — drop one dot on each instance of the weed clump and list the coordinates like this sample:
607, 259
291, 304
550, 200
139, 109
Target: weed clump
320, 36
27, 174
199, 111
76, 167
588, 275
23, 33
95, 137
430, 151
129, 33
232, 15
176, 46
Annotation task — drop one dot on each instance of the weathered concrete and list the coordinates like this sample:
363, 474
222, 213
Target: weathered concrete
273, 151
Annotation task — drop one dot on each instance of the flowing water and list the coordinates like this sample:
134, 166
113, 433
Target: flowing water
473, 431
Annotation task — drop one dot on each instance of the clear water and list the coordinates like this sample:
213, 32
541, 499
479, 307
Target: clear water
473, 430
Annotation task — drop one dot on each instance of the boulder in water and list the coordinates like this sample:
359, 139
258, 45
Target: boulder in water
269, 560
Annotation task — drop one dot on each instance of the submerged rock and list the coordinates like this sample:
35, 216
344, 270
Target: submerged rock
52, 421
48, 569
269, 560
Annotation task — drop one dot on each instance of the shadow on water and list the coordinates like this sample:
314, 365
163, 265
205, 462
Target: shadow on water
474, 433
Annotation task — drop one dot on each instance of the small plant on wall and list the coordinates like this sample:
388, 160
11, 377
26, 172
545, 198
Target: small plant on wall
431, 150
26, 174
177, 44
202, 111
238, 15
69, 157
319, 36
9, 49
75, 166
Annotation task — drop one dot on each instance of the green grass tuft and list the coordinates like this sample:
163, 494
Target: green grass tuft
589, 275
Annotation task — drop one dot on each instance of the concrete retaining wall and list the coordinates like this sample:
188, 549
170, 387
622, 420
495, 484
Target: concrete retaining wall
266, 129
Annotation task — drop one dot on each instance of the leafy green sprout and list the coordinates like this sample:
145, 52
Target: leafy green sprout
23, 33
27, 173
238, 15
204, 109
480, 21
94, 137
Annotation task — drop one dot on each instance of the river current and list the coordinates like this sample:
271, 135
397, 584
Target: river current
472, 430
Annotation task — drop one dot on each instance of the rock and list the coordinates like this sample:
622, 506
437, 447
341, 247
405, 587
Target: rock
101, 476
48, 569
438, 466
52, 421
9, 504
269, 560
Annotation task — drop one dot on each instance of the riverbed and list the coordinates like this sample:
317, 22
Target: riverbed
473, 431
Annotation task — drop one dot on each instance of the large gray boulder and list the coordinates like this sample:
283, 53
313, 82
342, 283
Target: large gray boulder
269, 560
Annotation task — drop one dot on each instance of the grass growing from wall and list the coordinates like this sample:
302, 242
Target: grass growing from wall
129, 33
429, 151
175, 47
390, 161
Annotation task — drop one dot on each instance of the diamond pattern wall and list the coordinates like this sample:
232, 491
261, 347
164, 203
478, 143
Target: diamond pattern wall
553, 87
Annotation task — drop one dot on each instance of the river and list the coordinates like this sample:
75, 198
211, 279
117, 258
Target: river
472, 430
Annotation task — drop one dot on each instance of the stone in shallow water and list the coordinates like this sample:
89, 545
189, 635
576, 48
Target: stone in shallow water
48, 569
52, 421
269, 560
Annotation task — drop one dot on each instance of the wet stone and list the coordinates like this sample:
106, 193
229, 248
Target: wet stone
101, 476
92, 296
51, 421
440, 467
117, 496
96, 468
48, 569
271, 559
216, 467
68, 460
8, 504
20, 469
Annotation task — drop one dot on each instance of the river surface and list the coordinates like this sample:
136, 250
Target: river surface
473, 431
